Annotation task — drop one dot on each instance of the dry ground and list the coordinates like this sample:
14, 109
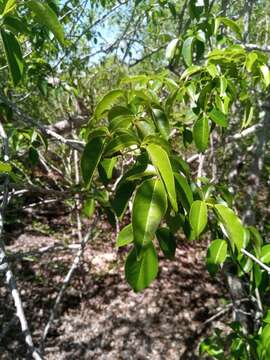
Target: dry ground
100, 317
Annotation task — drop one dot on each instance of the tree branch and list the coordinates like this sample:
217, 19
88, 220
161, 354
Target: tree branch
4, 265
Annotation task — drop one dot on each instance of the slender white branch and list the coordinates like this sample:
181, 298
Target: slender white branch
200, 167
4, 265
265, 267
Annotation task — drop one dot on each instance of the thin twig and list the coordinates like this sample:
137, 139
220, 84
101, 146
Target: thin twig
265, 267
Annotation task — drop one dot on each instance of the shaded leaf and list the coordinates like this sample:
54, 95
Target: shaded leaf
166, 242
149, 206
122, 195
184, 191
162, 123
14, 56
141, 270
161, 161
121, 141
90, 158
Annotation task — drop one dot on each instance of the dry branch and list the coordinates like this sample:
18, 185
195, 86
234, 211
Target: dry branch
4, 265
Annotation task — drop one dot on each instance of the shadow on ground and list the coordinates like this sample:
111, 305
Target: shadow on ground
99, 316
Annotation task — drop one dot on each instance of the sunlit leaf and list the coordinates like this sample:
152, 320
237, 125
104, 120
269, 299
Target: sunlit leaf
171, 48
198, 217
217, 252
201, 133
187, 50
46, 16
234, 229
218, 117
125, 236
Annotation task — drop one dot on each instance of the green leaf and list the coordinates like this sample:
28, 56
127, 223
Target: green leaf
142, 161
5, 167
106, 168
125, 236
266, 74
16, 25
159, 141
46, 16
99, 131
107, 101
90, 158
266, 318
187, 50
141, 271
179, 165
250, 60
89, 207
256, 240
193, 69
265, 336
218, 117
232, 225
122, 195
230, 24
183, 191
161, 162
198, 217
213, 71
265, 254
121, 122
201, 133
149, 206
13, 55
162, 123
120, 142
171, 48
9, 6
166, 242
217, 252
118, 110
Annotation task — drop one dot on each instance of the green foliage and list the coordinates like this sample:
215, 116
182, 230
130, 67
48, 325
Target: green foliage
141, 269
14, 55
141, 124
198, 217
46, 16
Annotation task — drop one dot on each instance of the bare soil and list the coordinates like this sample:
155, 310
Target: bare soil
100, 317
